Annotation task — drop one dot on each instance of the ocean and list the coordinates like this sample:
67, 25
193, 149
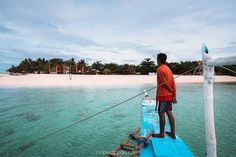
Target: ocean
27, 114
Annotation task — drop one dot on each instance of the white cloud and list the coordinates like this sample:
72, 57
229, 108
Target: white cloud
117, 31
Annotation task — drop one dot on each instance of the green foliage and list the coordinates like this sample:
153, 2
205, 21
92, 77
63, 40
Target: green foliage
131, 69
123, 69
112, 67
98, 66
106, 71
179, 68
146, 66
221, 71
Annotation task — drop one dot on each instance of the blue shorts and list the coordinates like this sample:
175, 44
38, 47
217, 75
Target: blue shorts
165, 106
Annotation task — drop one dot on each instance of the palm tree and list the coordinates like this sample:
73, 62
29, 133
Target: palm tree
82, 64
147, 66
112, 67
98, 66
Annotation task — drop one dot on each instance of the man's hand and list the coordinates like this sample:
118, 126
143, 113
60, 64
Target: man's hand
174, 100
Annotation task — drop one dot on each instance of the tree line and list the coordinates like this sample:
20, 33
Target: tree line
42, 65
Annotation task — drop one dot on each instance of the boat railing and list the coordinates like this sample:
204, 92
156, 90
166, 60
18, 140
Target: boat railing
208, 79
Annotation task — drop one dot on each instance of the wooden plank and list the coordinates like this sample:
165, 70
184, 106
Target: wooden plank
129, 149
127, 145
124, 143
130, 138
118, 148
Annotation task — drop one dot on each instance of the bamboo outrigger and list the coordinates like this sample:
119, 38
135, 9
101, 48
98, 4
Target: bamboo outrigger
132, 149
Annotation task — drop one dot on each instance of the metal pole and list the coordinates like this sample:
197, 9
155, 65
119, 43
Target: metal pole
208, 77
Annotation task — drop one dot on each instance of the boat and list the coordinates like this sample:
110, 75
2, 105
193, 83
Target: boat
146, 146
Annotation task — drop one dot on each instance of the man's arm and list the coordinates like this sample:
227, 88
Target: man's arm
165, 83
174, 90
168, 85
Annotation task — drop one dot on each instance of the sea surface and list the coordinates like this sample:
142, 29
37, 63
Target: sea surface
27, 114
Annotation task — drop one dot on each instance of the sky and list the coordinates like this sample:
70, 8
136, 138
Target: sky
117, 31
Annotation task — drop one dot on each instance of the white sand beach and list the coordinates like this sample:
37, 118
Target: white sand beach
53, 80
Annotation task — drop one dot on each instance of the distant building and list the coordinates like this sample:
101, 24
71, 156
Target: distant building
151, 73
67, 69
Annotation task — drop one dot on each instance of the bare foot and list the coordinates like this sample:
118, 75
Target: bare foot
158, 135
171, 135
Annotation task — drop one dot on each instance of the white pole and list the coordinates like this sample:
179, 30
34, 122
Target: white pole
208, 77
145, 93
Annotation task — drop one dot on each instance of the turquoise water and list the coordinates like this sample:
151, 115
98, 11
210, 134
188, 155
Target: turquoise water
29, 113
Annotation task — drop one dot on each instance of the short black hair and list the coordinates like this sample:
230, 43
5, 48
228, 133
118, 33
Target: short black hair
162, 58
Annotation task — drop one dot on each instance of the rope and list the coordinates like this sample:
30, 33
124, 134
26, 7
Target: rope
227, 69
33, 142
199, 69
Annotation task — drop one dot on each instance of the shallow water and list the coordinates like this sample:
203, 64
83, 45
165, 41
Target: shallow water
29, 113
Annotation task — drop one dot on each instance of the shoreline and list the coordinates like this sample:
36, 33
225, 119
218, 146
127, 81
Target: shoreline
62, 80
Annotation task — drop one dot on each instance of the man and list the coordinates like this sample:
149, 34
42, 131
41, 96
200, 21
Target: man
165, 95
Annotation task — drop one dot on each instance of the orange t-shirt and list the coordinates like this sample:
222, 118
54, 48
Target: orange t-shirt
166, 88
